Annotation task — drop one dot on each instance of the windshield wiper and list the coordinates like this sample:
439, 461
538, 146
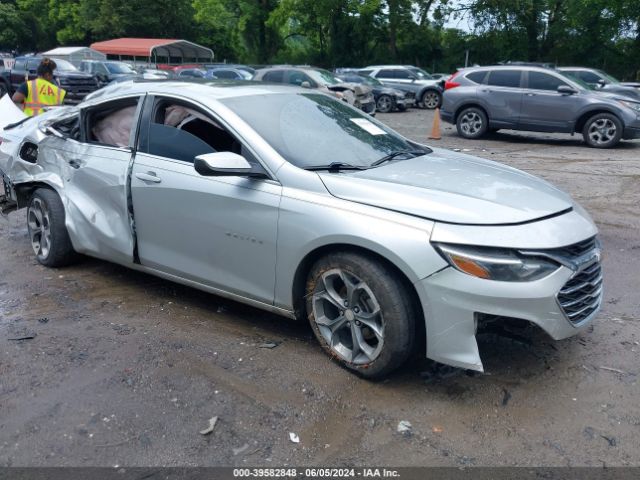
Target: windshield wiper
336, 167
392, 155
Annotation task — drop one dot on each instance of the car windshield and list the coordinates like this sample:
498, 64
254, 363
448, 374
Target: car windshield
64, 66
422, 75
290, 123
324, 77
572, 76
608, 77
371, 81
116, 67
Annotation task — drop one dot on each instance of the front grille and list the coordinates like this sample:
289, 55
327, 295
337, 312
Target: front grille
582, 294
578, 249
409, 95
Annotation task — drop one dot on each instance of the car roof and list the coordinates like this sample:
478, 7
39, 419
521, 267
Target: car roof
196, 89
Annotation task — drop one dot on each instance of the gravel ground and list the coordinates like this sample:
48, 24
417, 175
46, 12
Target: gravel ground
126, 369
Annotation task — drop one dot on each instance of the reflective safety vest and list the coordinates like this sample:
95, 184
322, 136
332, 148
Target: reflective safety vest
42, 94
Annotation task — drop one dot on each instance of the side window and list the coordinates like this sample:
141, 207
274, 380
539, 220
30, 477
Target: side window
225, 74
111, 123
182, 131
274, 76
404, 74
544, 81
296, 78
504, 78
365, 72
477, 77
386, 73
20, 65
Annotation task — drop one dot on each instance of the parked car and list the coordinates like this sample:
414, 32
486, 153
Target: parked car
536, 99
236, 66
190, 72
600, 80
360, 96
108, 71
427, 90
387, 99
295, 202
77, 84
228, 73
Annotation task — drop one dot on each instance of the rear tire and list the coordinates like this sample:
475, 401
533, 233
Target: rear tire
472, 123
361, 313
47, 231
431, 99
603, 130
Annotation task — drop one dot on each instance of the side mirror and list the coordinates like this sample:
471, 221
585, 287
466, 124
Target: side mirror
224, 164
566, 90
602, 82
305, 84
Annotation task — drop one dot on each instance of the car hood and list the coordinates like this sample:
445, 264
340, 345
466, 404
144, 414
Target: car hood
71, 75
450, 187
622, 90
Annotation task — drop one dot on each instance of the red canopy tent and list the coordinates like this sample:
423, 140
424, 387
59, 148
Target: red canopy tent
155, 50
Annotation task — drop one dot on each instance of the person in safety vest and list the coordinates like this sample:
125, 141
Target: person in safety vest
34, 95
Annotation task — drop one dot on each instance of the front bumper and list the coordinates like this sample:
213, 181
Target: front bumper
453, 301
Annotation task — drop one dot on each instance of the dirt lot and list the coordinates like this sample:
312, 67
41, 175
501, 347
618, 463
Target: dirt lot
125, 369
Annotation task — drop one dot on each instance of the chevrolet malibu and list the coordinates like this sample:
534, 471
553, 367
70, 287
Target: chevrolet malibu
299, 204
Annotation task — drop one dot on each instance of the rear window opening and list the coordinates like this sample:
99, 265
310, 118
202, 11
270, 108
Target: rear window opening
112, 125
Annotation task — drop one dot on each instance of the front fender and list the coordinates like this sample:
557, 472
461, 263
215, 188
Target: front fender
400, 239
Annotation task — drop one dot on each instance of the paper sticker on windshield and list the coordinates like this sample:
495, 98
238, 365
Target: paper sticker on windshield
368, 126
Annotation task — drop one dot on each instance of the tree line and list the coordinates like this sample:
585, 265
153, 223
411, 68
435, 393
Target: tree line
331, 33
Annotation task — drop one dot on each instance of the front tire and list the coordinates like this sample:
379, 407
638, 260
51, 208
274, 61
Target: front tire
472, 123
360, 313
384, 104
47, 231
603, 130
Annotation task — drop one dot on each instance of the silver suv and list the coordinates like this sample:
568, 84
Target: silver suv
482, 99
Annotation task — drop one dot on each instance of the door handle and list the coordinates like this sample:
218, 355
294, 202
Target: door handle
487, 90
531, 94
148, 177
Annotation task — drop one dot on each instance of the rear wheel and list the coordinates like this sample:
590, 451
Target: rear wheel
431, 99
47, 231
603, 130
384, 104
360, 313
472, 123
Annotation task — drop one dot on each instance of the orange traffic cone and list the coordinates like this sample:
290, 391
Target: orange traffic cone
435, 129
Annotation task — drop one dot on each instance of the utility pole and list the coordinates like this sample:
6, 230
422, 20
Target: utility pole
466, 58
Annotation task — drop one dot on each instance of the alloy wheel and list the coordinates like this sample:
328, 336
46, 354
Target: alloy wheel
39, 225
384, 104
348, 316
470, 123
431, 100
602, 131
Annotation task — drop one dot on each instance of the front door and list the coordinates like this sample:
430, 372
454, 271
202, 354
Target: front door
217, 231
544, 109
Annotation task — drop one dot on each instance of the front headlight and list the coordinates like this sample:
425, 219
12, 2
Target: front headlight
635, 106
499, 264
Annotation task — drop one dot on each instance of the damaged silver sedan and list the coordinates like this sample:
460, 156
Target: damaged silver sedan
295, 202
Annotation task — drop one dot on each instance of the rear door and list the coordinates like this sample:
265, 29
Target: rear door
217, 231
501, 94
543, 108
96, 180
